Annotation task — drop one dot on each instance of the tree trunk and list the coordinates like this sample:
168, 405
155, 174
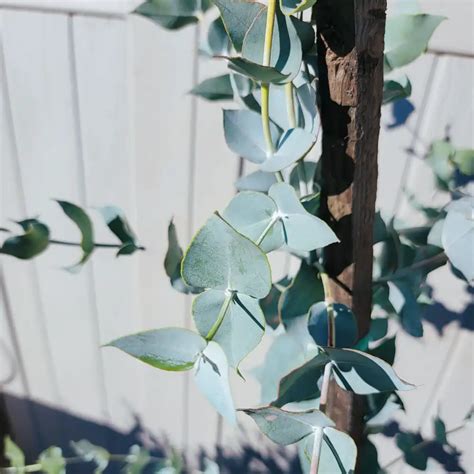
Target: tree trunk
350, 43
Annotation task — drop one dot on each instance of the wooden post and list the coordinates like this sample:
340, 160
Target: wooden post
350, 43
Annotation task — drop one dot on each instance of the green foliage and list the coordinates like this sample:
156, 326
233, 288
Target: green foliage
31, 243
91, 453
13, 454
290, 7
396, 90
52, 461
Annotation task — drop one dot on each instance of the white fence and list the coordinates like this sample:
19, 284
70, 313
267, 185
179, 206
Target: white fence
95, 110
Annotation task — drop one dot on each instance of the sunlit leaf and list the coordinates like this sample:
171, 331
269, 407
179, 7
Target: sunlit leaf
137, 459
241, 329
464, 160
256, 181
211, 374
237, 263
52, 461
13, 453
172, 349
285, 427
91, 453
31, 243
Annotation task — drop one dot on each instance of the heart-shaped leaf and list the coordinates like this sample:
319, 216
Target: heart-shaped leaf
243, 133
242, 326
222, 259
83, 222
285, 427
293, 145
345, 322
290, 7
211, 374
407, 37
252, 214
303, 231
34, 241
238, 16
172, 349
458, 236
363, 373
91, 453
286, 46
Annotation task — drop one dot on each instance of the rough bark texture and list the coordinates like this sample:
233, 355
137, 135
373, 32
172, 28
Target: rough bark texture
350, 42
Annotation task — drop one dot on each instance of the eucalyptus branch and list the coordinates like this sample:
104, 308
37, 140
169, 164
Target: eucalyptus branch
266, 231
220, 317
290, 104
316, 454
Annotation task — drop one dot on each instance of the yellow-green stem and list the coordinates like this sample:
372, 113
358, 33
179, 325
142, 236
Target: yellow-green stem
220, 317
266, 118
290, 104
330, 305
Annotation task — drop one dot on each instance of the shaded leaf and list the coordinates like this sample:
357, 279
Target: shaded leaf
396, 90
34, 241
218, 42
211, 374
237, 263
408, 443
404, 302
256, 71
83, 222
285, 427
290, 7
172, 349
215, 88
440, 430
119, 226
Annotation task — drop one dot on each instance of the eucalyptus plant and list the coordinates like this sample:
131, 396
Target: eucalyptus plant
273, 79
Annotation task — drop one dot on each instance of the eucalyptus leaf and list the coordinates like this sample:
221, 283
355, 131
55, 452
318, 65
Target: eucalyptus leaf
243, 132
395, 90
238, 16
345, 324
241, 329
120, 227
308, 111
286, 46
404, 302
363, 373
440, 430
13, 453
252, 214
220, 258
31, 243
52, 461
256, 71
418, 458
292, 146
256, 181
302, 175
290, 7
215, 88
302, 383
91, 453
305, 31
285, 427
172, 349
84, 223
303, 231
305, 289
138, 458
464, 160
440, 158
218, 42
407, 37
458, 235
211, 374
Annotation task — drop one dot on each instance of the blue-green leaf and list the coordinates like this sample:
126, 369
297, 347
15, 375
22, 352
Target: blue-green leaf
417, 458
256, 71
241, 329
211, 374
84, 223
285, 427
172, 349
286, 46
440, 430
458, 235
363, 373
256, 181
91, 453
290, 7
407, 37
346, 324
220, 258
13, 453
137, 459
303, 231
403, 300
238, 16
215, 88
31, 243
293, 145
252, 214
218, 42
243, 133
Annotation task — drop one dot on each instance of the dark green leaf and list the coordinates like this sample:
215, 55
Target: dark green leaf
256, 71
414, 455
215, 88
396, 90
440, 430
34, 241
118, 224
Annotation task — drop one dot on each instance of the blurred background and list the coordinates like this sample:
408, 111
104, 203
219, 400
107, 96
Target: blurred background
95, 109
